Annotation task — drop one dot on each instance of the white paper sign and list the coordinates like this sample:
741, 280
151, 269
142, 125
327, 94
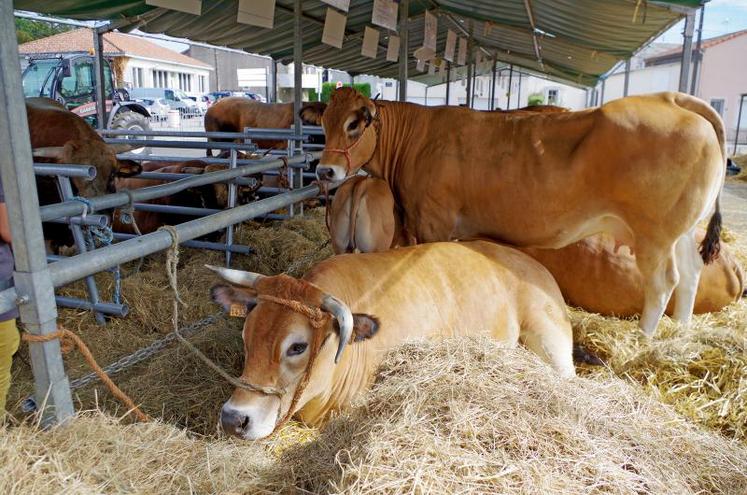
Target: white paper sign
420, 65
431, 29
451, 39
370, 42
424, 53
462, 57
188, 6
339, 4
334, 28
385, 14
431, 69
392, 49
256, 13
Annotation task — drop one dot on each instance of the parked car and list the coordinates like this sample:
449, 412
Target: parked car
174, 98
201, 104
157, 107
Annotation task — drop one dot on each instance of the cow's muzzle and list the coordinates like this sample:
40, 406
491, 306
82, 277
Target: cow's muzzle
330, 172
234, 422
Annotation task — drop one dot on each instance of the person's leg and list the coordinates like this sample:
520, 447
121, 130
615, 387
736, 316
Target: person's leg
9, 340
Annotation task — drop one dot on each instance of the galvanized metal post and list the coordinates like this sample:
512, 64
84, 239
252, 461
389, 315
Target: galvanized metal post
231, 203
273, 95
687, 50
98, 67
626, 81
492, 86
297, 65
404, 12
698, 53
518, 94
510, 82
601, 96
448, 81
739, 122
32, 277
470, 89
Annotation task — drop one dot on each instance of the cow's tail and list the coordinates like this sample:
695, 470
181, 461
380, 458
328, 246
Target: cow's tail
210, 126
711, 244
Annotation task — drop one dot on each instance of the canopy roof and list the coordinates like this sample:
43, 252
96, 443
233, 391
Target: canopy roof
573, 40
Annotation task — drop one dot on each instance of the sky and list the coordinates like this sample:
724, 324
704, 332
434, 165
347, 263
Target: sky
721, 17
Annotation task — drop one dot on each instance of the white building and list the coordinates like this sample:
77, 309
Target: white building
135, 61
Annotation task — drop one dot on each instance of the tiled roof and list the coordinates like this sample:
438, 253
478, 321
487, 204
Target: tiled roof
115, 44
707, 43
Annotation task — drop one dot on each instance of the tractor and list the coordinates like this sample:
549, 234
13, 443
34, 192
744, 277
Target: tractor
70, 80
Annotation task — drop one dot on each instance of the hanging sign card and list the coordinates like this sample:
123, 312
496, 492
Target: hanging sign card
187, 6
334, 28
462, 57
370, 42
256, 13
451, 39
431, 30
392, 49
338, 4
385, 14
420, 65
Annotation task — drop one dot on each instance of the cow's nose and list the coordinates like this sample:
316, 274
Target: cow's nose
325, 173
234, 422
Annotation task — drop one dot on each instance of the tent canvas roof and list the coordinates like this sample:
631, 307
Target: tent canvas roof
574, 40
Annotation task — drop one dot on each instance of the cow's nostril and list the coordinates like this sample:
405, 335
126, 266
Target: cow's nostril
325, 173
245, 423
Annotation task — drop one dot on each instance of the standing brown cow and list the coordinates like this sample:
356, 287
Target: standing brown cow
234, 113
645, 169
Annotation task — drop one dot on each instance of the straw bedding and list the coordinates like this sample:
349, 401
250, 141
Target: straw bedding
485, 419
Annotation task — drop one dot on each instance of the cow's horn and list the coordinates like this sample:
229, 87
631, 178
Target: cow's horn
236, 277
123, 147
48, 152
344, 318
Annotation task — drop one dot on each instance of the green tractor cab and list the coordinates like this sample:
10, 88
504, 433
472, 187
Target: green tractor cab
70, 80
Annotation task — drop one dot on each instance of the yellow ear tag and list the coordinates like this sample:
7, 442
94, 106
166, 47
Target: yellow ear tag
237, 310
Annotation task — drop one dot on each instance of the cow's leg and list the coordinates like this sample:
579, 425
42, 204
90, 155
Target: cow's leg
689, 266
659, 273
548, 334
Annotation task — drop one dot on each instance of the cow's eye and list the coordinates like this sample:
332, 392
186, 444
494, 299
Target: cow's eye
353, 126
296, 349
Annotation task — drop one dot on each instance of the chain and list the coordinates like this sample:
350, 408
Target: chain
29, 404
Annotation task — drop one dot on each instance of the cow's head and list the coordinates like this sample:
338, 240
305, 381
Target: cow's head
97, 153
350, 137
294, 336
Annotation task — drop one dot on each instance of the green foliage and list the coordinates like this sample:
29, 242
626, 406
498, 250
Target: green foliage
313, 95
28, 30
329, 87
535, 99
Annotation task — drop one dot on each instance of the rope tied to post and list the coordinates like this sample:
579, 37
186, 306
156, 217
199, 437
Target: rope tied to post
68, 338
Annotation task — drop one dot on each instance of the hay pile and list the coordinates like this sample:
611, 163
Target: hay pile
459, 416
740, 161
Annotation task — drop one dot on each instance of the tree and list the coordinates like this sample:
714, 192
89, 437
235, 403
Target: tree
28, 30
535, 99
328, 88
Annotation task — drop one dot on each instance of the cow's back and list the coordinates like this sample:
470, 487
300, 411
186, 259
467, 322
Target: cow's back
50, 124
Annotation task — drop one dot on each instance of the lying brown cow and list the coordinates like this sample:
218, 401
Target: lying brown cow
296, 331
645, 169
592, 274
213, 196
234, 113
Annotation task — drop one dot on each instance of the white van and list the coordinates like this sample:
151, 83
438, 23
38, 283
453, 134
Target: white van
175, 98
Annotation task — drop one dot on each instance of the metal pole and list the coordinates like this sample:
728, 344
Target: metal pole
510, 81
273, 98
470, 89
626, 81
98, 66
297, 65
698, 53
448, 81
426, 96
231, 204
739, 121
687, 51
33, 283
492, 86
404, 12
601, 96
518, 94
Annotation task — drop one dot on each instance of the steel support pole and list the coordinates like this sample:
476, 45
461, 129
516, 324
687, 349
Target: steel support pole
297, 65
492, 86
626, 81
448, 81
698, 54
687, 51
33, 283
98, 68
739, 121
601, 95
273, 96
510, 82
470, 89
404, 12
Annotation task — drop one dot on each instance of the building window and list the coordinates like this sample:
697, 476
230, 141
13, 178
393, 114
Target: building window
160, 79
553, 96
201, 84
185, 81
718, 105
137, 77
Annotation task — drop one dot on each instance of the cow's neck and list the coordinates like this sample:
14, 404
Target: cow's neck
396, 130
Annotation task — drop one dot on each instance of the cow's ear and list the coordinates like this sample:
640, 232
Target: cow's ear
364, 327
235, 301
128, 168
311, 113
